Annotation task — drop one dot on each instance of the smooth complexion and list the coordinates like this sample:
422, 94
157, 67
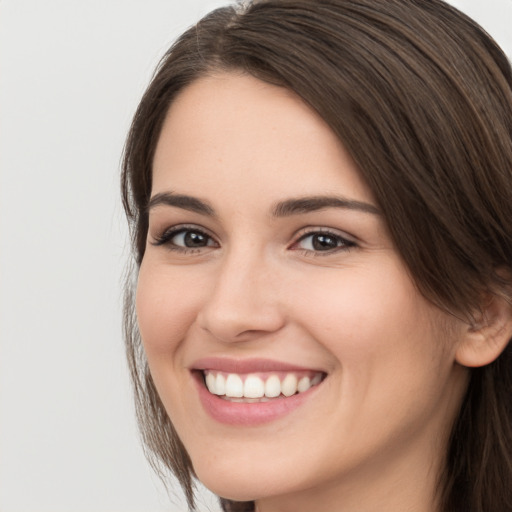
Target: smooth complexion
237, 270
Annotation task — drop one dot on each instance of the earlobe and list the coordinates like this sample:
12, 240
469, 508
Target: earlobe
485, 339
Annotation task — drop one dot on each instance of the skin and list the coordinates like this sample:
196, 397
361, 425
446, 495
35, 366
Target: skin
373, 435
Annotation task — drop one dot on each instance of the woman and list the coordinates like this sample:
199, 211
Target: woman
320, 201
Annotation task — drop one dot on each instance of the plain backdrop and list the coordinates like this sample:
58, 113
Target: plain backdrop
71, 74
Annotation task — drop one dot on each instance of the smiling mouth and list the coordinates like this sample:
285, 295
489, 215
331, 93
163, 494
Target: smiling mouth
260, 387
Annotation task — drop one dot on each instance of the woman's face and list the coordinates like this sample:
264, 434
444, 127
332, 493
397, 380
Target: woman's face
269, 266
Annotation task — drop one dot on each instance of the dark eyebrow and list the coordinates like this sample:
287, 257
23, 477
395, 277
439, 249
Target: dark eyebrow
286, 208
313, 203
181, 201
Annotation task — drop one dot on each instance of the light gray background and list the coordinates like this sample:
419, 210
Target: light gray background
71, 74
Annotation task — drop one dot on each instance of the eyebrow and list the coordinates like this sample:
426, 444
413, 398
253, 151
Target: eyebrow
181, 201
314, 203
295, 206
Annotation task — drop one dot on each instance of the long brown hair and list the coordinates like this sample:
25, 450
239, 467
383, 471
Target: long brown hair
421, 97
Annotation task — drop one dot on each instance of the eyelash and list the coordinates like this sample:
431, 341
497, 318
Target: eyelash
166, 239
343, 243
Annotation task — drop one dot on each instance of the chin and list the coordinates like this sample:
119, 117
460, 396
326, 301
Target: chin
231, 482
235, 489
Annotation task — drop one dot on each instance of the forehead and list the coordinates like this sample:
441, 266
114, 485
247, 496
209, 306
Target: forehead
235, 131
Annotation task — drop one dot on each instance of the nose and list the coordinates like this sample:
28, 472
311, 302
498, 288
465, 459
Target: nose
243, 301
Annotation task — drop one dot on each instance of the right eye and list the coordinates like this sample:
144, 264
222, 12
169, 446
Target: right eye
185, 239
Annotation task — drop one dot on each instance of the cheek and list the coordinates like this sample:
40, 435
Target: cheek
361, 308
164, 312
380, 330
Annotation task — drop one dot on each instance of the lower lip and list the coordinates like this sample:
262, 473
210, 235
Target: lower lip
248, 414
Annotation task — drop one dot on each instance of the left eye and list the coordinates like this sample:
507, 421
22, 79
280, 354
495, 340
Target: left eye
185, 238
322, 242
190, 239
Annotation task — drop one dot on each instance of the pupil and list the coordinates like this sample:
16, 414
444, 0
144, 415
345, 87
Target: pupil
324, 242
193, 239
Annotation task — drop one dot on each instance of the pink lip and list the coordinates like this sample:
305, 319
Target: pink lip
245, 365
246, 414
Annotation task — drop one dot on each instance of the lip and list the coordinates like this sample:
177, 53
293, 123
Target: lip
253, 365
247, 414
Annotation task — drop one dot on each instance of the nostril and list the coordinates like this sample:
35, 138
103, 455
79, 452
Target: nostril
239, 314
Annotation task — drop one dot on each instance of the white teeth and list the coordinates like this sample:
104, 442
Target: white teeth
220, 384
210, 383
316, 380
304, 384
256, 389
289, 385
234, 386
248, 400
272, 386
253, 387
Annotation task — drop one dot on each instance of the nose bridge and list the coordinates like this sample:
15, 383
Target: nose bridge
243, 301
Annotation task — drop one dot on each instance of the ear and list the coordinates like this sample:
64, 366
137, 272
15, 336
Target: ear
485, 339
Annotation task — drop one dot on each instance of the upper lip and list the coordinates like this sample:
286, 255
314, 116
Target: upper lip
251, 365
